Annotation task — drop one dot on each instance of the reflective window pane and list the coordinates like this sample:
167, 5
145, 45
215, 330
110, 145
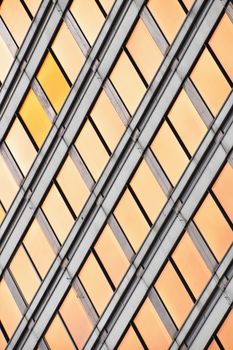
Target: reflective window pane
130, 341
225, 333
9, 187
32, 5
57, 336
2, 213
6, 60
3, 342
107, 4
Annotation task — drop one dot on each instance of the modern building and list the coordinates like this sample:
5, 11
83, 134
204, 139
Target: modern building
116, 174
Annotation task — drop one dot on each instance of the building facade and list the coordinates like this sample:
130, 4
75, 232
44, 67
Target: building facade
116, 174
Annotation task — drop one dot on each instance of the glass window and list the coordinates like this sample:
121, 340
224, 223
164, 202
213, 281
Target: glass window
225, 333
169, 153
124, 77
3, 342
214, 227
107, 4
169, 15
53, 82
130, 341
151, 327
2, 213
184, 118
33, 5
213, 346
131, 220
6, 59
174, 294
8, 186
210, 82
63, 45
57, 336
35, 118
76, 319
92, 275
144, 51
89, 17
188, 3
20, 146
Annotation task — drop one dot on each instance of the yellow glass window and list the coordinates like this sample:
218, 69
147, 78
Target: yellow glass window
124, 77
169, 15
174, 294
111, 255
76, 319
8, 186
144, 51
63, 45
184, 118
107, 121
20, 146
35, 118
151, 327
210, 82
92, 276
58, 214
92, 150
214, 227
57, 336
130, 341
131, 220
6, 60
73, 185
225, 333
53, 82
169, 153
88, 16
32, 5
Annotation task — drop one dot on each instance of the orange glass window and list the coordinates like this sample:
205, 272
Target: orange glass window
213, 346
107, 4
9, 187
32, 5
6, 60
2, 213
130, 341
188, 3
3, 342
225, 333
57, 336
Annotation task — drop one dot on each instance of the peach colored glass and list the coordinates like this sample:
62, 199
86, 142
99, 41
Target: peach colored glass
107, 121
144, 51
6, 59
169, 15
111, 255
92, 150
57, 336
35, 118
127, 82
130, 341
16, 19
3, 342
76, 319
148, 191
8, 186
2, 213
174, 294
39, 248
225, 333
92, 276
196, 273
214, 227
131, 220
188, 3
213, 346
24, 274
53, 82
185, 118
63, 45
210, 82
33, 5
88, 16
222, 39
58, 214
107, 4
223, 189
73, 185
10, 314
151, 327
169, 153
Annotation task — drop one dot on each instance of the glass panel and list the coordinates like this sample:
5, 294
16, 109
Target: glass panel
53, 82
196, 273
76, 318
148, 191
151, 327
225, 333
213, 346
58, 214
144, 51
107, 121
223, 189
20, 146
130, 341
88, 16
107, 4
33, 5
73, 185
35, 118
6, 59
210, 82
131, 220
39, 248
57, 336
214, 227
111, 255
2, 213
169, 15
3, 342
92, 275
63, 45
92, 150
184, 118
174, 294
8, 186
169, 153
124, 77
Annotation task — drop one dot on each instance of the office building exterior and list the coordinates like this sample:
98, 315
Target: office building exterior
116, 174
